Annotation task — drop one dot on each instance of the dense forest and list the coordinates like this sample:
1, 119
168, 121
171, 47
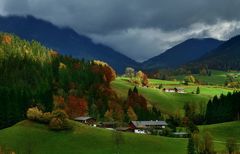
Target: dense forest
223, 108
33, 75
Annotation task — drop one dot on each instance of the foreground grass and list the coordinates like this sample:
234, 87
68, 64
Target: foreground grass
28, 136
170, 102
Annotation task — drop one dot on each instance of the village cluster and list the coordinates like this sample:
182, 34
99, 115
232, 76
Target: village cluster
138, 127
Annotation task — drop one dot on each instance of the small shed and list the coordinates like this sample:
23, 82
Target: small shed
174, 90
180, 90
86, 120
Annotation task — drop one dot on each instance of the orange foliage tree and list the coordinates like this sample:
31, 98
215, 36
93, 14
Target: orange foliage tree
108, 72
7, 39
136, 100
131, 114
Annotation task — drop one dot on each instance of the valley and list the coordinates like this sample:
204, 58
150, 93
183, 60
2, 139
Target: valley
181, 101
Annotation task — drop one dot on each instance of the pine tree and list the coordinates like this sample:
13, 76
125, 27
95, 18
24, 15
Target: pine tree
135, 90
198, 90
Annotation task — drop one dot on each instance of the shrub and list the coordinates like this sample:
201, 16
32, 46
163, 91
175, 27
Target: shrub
59, 120
46, 117
34, 114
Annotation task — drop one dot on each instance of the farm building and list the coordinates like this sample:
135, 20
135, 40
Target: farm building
142, 127
174, 90
86, 120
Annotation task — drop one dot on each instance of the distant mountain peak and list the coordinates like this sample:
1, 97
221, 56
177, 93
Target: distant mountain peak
182, 53
224, 57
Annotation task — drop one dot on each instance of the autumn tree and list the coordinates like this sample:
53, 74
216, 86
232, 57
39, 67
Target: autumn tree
138, 104
115, 112
108, 71
6, 39
142, 77
131, 114
59, 102
76, 106
189, 79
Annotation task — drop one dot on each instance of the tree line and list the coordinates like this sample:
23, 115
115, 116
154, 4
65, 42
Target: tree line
224, 108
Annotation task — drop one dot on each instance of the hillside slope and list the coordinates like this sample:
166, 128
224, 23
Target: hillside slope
225, 57
169, 103
37, 138
182, 53
221, 132
64, 40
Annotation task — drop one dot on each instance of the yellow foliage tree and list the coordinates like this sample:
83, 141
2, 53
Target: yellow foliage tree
131, 114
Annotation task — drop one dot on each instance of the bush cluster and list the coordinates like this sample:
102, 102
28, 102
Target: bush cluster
57, 120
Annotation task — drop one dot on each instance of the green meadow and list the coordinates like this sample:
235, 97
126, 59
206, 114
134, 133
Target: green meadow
170, 102
38, 139
217, 77
222, 132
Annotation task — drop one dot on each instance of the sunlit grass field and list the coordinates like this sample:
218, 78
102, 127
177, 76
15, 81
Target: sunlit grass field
170, 102
28, 136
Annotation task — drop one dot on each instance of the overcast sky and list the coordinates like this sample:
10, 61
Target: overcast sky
139, 29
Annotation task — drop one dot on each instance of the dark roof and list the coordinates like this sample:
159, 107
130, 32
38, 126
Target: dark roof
143, 124
109, 123
82, 118
122, 128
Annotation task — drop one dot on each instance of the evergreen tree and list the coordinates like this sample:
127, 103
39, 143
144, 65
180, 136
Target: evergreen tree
198, 90
135, 90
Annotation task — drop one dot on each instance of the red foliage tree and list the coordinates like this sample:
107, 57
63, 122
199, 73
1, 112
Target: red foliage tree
134, 100
76, 106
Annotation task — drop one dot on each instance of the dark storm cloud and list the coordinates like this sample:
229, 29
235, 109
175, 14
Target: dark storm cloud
143, 27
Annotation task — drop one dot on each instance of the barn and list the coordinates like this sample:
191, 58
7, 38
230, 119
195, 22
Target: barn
86, 120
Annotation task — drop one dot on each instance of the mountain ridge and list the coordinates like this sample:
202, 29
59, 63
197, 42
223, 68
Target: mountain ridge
182, 53
65, 40
224, 57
